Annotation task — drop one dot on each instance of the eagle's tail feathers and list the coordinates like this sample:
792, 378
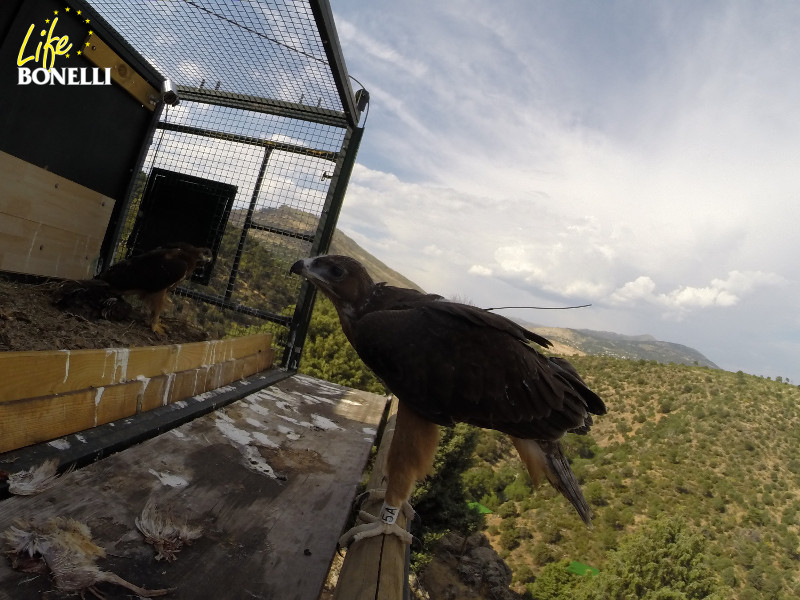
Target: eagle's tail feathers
547, 460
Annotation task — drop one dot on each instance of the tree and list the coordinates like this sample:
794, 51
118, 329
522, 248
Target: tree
554, 582
662, 561
328, 355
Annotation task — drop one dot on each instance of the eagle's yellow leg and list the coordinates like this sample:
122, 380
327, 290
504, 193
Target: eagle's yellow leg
410, 459
410, 455
156, 302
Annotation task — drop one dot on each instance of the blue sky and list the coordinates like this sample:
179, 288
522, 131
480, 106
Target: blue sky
639, 156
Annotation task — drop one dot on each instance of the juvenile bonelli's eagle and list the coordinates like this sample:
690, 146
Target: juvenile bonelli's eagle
449, 362
154, 274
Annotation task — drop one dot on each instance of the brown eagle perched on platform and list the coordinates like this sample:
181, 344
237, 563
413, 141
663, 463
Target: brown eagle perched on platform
154, 274
449, 362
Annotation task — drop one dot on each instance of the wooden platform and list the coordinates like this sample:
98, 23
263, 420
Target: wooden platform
270, 478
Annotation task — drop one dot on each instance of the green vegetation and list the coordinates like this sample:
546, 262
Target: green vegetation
711, 450
328, 355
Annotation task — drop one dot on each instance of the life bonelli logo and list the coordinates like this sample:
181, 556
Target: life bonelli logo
36, 61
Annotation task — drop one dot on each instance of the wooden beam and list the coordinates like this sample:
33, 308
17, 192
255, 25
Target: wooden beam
375, 568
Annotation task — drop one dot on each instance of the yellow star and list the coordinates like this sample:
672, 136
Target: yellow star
67, 55
91, 32
87, 43
47, 20
79, 52
67, 9
86, 21
78, 12
55, 12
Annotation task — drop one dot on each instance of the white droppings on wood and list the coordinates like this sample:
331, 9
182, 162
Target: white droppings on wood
66, 366
255, 462
323, 422
288, 432
233, 433
167, 388
258, 409
264, 440
173, 481
121, 356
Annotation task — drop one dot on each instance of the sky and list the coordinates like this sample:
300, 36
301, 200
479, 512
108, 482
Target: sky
643, 157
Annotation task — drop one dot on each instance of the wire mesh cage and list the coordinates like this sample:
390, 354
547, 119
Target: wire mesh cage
253, 159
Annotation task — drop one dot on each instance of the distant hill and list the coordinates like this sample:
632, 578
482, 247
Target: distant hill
304, 223
343, 244
606, 343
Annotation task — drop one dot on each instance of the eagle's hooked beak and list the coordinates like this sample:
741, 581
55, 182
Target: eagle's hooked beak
300, 267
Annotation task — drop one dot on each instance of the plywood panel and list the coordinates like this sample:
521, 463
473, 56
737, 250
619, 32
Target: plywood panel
49, 225
38, 249
38, 195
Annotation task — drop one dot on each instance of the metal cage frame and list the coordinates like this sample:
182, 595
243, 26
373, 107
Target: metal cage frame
258, 120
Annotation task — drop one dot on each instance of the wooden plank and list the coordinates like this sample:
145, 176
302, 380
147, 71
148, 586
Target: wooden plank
49, 225
43, 373
150, 361
270, 478
116, 402
102, 55
27, 422
187, 383
38, 392
30, 374
265, 360
152, 393
374, 568
39, 196
38, 249
251, 344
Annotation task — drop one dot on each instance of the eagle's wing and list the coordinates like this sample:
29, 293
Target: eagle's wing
451, 362
149, 272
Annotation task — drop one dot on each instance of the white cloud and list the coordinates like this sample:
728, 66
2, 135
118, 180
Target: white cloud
536, 147
480, 270
718, 293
